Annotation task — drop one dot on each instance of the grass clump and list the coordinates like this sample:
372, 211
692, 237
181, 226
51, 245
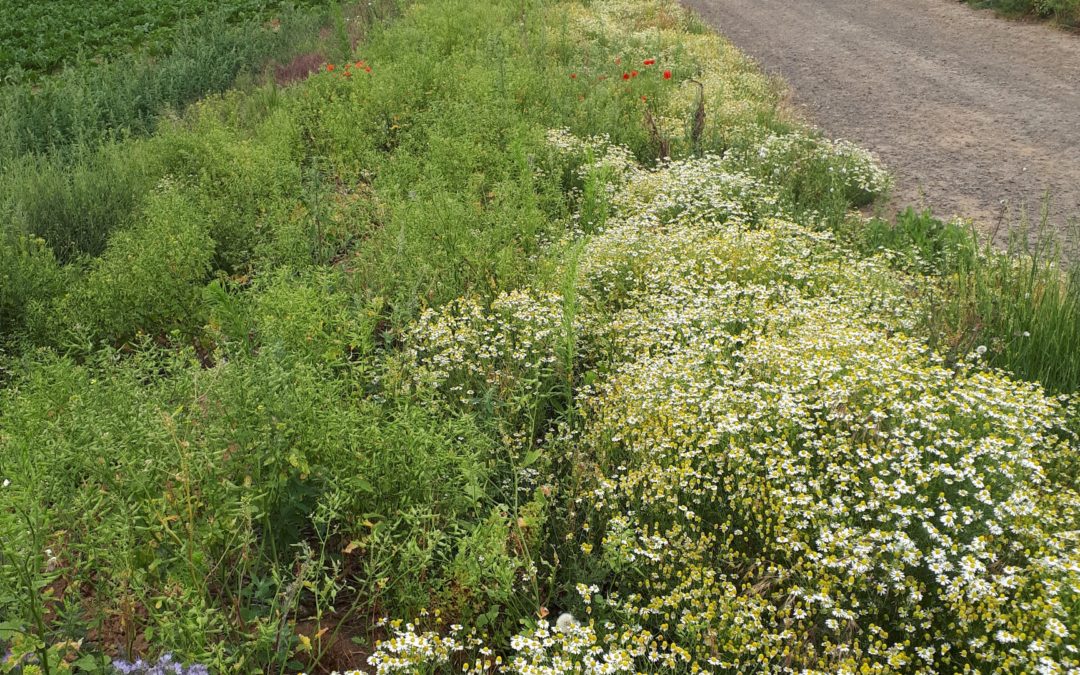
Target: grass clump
1024, 311
1020, 306
31, 277
74, 206
41, 37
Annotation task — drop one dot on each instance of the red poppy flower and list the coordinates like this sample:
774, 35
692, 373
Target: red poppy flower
329, 67
667, 74
626, 76
573, 76
649, 62
633, 73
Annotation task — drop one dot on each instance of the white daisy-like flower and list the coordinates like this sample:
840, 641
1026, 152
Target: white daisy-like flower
565, 622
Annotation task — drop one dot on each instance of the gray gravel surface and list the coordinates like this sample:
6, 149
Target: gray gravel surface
974, 115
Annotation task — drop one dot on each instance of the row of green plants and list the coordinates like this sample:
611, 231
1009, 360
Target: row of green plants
236, 286
1020, 299
65, 117
39, 38
336, 374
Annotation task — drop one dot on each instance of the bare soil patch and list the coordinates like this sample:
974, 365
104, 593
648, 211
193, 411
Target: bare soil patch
975, 116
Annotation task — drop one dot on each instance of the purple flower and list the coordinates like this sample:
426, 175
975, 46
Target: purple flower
166, 665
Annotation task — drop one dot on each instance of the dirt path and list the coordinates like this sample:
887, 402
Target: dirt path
965, 108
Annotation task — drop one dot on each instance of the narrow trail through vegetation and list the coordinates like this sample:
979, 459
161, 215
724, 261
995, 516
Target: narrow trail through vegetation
975, 115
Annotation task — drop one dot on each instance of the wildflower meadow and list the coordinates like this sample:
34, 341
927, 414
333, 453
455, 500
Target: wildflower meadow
520, 337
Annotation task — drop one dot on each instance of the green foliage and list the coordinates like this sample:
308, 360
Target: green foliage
186, 487
29, 655
29, 277
42, 36
594, 198
818, 179
1065, 12
241, 170
414, 485
74, 206
1024, 309
84, 105
315, 316
148, 280
457, 211
1022, 305
925, 243
342, 42
240, 176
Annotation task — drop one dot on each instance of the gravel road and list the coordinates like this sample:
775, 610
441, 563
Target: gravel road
974, 115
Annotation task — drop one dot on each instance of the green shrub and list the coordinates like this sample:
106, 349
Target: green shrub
186, 490
192, 469
817, 178
1068, 11
239, 176
29, 278
243, 166
148, 280
75, 205
312, 315
923, 243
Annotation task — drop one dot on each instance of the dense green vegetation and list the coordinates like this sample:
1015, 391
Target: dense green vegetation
40, 37
514, 309
1065, 12
1022, 303
67, 115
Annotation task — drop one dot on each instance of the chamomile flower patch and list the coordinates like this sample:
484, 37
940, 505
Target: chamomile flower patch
780, 475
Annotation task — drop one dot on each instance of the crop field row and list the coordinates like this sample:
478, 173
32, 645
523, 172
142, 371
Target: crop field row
1064, 12
40, 37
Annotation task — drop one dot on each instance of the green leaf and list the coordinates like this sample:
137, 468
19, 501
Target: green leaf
90, 663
